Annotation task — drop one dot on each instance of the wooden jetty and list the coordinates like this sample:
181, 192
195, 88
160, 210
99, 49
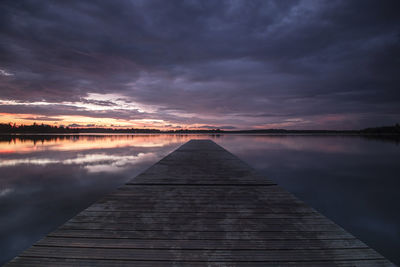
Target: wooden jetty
200, 205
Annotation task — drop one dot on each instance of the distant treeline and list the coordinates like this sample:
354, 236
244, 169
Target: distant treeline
48, 129
34, 128
383, 130
377, 130
45, 129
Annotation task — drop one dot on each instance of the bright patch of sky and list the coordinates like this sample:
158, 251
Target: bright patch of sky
92, 102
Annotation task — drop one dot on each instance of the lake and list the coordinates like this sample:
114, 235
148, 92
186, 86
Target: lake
47, 179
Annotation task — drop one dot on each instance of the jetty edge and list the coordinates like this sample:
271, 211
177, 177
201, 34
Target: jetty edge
199, 206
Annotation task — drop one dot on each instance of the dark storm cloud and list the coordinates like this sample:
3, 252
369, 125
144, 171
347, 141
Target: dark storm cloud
220, 61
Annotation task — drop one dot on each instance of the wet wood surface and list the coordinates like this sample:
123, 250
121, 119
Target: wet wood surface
199, 206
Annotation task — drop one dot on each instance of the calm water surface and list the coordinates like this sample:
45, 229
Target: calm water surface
45, 180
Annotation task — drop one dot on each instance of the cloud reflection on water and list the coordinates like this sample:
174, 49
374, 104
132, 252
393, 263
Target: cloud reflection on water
91, 162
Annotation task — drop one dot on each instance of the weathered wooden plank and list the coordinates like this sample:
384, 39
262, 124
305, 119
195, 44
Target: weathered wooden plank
186, 196
203, 255
201, 227
177, 235
201, 244
199, 214
209, 205
199, 220
206, 188
126, 208
45, 262
233, 199
199, 206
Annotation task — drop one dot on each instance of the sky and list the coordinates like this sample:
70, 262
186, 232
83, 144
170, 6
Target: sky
200, 64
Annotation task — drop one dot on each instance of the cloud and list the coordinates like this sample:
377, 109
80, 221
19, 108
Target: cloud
207, 127
242, 63
227, 127
75, 125
41, 118
5, 73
